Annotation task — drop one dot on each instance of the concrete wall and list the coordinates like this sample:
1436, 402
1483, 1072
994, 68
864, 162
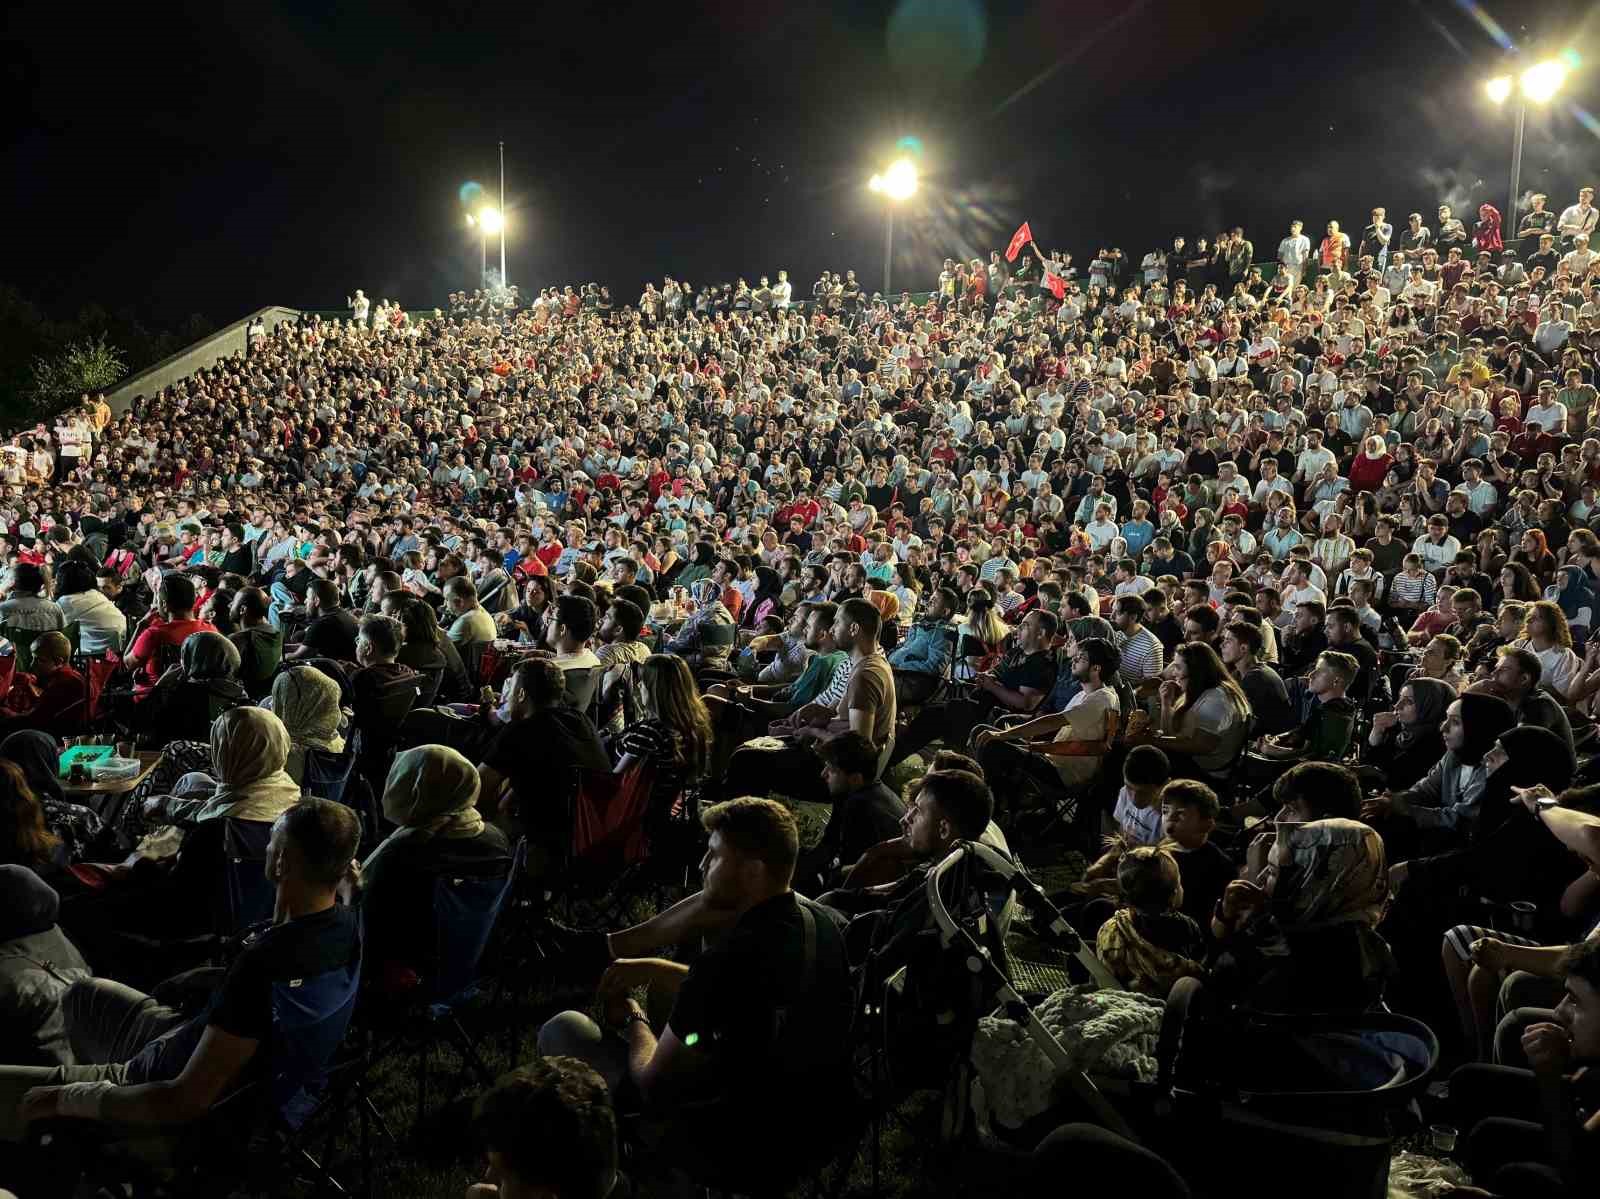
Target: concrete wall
224, 343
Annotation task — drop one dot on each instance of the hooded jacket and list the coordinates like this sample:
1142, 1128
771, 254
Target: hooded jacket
37, 965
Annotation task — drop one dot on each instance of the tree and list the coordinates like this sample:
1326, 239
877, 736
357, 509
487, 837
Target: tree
88, 364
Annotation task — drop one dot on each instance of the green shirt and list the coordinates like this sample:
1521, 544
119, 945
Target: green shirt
1579, 403
814, 679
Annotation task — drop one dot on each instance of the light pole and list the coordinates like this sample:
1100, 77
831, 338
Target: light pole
897, 183
487, 221
1538, 83
504, 282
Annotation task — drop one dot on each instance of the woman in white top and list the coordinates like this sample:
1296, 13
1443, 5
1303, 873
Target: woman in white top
1204, 715
101, 624
1546, 635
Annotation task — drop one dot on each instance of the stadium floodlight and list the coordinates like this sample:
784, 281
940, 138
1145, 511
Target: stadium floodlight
897, 183
1539, 83
1542, 81
491, 220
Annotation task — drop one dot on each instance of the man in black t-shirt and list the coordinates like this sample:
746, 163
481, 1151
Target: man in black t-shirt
237, 556
331, 630
142, 1064
1016, 687
758, 1038
865, 812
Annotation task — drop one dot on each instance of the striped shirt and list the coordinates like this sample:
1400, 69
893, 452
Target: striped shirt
1142, 655
1406, 592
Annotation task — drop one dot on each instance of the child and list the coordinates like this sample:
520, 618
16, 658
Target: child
1188, 814
1150, 944
1138, 810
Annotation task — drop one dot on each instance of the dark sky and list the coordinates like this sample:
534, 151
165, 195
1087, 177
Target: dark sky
216, 157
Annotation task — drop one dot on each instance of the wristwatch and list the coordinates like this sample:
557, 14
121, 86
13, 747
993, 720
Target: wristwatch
635, 1018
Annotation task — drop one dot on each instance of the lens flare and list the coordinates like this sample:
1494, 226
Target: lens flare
1499, 88
1543, 80
471, 194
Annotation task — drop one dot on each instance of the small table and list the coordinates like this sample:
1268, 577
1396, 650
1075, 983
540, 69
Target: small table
95, 795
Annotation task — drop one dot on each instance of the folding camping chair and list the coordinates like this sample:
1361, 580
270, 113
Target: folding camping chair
466, 908
256, 1138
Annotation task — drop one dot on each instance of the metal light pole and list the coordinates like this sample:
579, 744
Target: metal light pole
1516, 167
504, 282
1538, 83
897, 183
888, 248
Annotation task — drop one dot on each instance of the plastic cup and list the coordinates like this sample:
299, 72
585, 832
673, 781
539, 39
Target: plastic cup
1444, 1138
1524, 915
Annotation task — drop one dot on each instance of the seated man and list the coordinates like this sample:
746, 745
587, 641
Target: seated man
470, 624
865, 811
1327, 719
144, 1065
921, 660
860, 699
1533, 1132
330, 630
1017, 686
758, 1037
52, 697
1063, 751
548, 1128
37, 965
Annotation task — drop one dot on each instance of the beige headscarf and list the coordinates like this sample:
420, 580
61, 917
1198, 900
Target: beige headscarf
1339, 875
249, 747
307, 701
432, 791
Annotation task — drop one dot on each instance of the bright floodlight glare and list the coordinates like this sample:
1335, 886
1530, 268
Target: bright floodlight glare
491, 220
899, 182
1543, 80
875, 183
1499, 88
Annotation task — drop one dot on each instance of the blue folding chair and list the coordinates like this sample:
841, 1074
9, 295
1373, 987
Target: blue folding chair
250, 894
327, 775
256, 1136
465, 910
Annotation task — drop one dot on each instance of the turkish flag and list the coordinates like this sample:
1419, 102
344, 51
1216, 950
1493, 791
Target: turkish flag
1018, 239
1057, 286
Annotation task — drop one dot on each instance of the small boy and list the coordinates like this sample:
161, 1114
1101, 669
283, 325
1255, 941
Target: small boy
1150, 943
1189, 811
1138, 810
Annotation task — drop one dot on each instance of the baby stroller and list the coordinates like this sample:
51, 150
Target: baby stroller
1315, 1099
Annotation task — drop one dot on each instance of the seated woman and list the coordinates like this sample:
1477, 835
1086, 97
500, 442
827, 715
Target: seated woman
1405, 743
432, 795
1503, 981
38, 756
1149, 944
25, 837
1303, 936
428, 651
707, 637
189, 696
249, 749
673, 738
307, 701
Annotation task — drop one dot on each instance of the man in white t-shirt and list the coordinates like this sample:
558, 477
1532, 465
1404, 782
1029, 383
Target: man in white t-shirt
1072, 742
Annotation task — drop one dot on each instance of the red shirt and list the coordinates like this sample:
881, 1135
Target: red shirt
151, 643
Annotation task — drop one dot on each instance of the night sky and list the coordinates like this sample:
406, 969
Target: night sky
217, 157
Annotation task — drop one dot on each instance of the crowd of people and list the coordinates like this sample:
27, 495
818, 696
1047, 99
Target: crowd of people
1264, 582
